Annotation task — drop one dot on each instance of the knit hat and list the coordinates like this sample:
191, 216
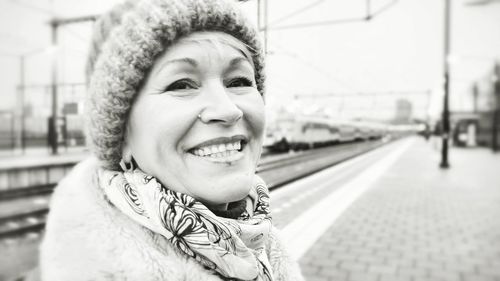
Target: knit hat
127, 40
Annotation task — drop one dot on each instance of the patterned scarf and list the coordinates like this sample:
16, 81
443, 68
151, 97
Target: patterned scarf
234, 248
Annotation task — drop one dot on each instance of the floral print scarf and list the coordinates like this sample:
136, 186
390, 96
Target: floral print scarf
234, 248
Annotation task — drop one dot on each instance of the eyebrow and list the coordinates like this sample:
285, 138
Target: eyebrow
189, 61
237, 61
233, 63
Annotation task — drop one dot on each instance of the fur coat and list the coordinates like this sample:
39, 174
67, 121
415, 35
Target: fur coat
86, 238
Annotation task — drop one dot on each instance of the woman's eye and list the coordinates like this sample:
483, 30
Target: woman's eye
240, 82
180, 85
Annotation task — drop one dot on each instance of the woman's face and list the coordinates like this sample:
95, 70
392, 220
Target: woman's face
197, 124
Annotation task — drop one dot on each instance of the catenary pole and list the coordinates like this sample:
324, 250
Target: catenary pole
266, 27
22, 98
445, 134
496, 109
53, 133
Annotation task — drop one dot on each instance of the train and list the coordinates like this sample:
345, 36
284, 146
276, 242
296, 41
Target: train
292, 133
283, 134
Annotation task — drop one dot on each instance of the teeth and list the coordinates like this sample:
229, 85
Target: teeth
222, 147
222, 154
218, 150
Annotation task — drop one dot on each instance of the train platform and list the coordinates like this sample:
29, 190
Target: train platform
393, 214
42, 156
37, 156
388, 214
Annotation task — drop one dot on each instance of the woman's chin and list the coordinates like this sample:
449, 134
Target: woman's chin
224, 190
223, 179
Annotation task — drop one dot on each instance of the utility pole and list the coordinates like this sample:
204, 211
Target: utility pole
446, 111
259, 9
262, 15
475, 95
266, 25
53, 133
496, 109
21, 101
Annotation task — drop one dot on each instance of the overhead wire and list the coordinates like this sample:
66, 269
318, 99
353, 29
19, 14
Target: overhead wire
313, 66
19, 39
375, 93
34, 8
296, 12
383, 8
50, 13
367, 17
10, 55
56, 19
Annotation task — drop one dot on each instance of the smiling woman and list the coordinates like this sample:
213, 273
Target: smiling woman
176, 118
211, 157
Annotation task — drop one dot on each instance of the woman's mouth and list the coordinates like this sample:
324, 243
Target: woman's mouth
221, 150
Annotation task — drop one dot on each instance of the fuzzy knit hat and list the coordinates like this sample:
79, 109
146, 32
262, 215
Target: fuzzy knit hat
127, 40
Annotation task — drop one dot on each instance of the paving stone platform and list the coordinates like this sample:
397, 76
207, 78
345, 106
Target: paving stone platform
418, 222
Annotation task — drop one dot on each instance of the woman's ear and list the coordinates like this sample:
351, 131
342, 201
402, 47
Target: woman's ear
126, 153
126, 163
126, 149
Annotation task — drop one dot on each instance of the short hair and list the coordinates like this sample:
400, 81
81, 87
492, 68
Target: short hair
216, 38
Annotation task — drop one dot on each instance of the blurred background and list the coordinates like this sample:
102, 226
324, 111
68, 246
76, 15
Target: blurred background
348, 60
338, 72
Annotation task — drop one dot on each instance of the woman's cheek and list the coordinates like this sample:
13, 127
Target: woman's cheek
256, 115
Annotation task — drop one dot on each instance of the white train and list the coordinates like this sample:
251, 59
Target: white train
305, 132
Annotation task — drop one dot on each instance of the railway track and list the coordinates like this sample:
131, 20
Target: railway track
276, 171
268, 162
22, 223
14, 193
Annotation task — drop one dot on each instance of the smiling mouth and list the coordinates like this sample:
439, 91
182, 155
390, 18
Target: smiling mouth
221, 148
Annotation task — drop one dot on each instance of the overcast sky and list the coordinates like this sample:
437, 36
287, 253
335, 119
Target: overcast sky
364, 67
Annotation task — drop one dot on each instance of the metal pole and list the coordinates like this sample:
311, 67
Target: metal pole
368, 10
427, 107
259, 8
446, 113
496, 109
54, 136
266, 23
21, 98
12, 130
475, 94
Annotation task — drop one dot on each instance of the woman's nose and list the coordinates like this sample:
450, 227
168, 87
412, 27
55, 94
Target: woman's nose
220, 107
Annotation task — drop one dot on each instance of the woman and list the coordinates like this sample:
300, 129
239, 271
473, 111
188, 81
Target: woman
176, 121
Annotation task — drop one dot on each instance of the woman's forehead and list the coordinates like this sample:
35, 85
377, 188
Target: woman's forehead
207, 42
206, 46
217, 39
